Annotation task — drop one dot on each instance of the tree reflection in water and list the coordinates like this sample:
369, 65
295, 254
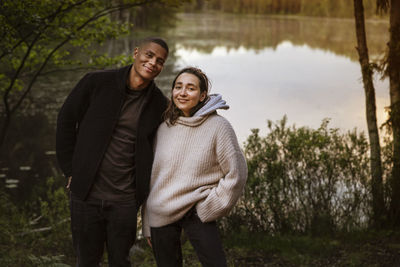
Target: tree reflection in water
28, 155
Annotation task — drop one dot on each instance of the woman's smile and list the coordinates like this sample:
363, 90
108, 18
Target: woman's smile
186, 93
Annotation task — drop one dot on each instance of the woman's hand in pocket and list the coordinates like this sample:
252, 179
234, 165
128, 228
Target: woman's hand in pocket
149, 241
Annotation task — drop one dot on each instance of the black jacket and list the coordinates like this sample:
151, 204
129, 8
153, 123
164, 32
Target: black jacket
86, 123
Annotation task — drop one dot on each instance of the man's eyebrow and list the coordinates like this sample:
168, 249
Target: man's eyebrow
149, 51
152, 53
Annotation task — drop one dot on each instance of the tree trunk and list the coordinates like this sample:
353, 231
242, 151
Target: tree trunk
394, 79
5, 120
378, 204
4, 129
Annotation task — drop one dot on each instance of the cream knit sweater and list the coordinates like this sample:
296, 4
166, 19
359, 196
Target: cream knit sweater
197, 162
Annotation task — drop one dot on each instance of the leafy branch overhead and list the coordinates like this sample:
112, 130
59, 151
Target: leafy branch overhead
38, 37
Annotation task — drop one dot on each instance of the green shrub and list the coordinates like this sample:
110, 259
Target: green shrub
304, 180
31, 239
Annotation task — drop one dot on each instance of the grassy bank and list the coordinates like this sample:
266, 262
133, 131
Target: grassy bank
257, 249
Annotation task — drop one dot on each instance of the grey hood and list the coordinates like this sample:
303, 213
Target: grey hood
213, 103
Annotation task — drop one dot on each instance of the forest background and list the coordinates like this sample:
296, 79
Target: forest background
309, 199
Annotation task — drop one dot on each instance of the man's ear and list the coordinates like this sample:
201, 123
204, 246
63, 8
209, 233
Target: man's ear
135, 52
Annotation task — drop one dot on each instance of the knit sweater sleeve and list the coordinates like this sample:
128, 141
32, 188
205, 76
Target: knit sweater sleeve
145, 221
224, 196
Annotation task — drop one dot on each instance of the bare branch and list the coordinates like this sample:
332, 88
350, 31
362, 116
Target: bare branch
13, 80
43, 229
37, 74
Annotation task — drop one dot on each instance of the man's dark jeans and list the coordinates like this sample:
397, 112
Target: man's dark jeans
203, 236
98, 222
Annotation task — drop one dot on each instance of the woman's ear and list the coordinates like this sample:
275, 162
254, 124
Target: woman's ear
203, 96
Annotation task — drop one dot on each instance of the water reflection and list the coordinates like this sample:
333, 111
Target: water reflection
264, 66
204, 32
25, 165
268, 67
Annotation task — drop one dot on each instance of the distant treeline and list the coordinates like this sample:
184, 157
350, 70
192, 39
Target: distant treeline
321, 8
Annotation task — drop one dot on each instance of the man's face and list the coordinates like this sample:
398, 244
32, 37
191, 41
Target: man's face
149, 60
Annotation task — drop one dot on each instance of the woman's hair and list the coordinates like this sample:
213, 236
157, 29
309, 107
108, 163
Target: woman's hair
172, 113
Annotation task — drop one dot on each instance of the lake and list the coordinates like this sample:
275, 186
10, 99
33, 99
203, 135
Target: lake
264, 66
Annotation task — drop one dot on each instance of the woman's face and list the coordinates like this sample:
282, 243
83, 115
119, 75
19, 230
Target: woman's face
186, 93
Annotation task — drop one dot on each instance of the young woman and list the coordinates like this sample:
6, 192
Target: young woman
198, 174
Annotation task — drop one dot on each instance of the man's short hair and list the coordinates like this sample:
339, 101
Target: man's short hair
156, 40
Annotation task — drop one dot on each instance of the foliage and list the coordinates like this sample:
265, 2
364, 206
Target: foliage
359, 248
324, 8
155, 17
11, 222
45, 261
292, 249
387, 158
288, 162
29, 239
303, 180
39, 37
142, 254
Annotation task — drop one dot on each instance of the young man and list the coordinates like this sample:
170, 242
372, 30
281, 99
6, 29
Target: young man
105, 131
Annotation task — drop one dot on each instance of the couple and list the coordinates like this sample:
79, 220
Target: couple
123, 145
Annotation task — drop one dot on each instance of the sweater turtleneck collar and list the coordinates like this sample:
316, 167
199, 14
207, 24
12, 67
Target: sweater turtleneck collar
210, 107
191, 121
